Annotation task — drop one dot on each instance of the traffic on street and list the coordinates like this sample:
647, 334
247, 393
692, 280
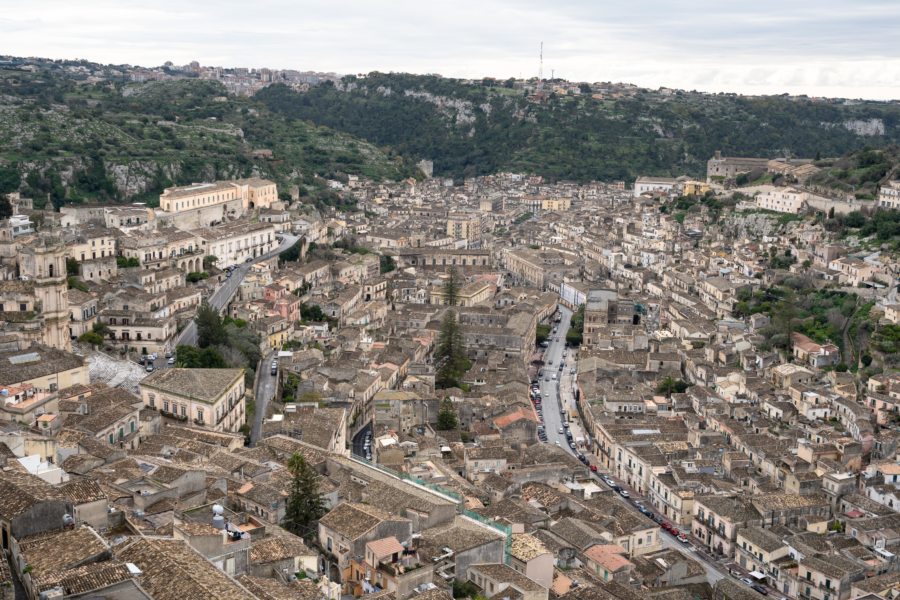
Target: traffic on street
552, 391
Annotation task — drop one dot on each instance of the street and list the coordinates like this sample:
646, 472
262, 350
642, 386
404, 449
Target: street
264, 392
550, 381
225, 292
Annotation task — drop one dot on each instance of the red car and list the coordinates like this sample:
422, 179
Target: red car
675, 532
593, 468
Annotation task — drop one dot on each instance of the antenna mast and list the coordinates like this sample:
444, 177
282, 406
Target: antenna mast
541, 70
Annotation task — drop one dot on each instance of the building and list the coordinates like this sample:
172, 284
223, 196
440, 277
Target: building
783, 200
207, 204
465, 226
654, 185
210, 398
719, 168
889, 195
235, 243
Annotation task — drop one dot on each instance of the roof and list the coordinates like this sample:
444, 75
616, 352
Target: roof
526, 547
50, 554
505, 574
385, 547
352, 520
21, 491
204, 385
609, 556
37, 361
172, 570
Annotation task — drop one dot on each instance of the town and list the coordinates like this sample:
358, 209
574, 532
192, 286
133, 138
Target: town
671, 388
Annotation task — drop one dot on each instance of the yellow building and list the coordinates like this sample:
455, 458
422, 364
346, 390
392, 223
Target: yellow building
694, 188
464, 226
556, 203
209, 398
204, 204
468, 295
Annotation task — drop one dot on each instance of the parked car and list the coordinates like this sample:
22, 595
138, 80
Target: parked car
593, 468
747, 580
624, 493
149, 368
760, 589
171, 360
561, 430
683, 539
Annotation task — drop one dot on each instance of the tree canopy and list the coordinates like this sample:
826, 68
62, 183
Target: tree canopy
305, 504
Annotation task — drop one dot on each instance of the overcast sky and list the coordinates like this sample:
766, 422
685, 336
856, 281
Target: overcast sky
848, 48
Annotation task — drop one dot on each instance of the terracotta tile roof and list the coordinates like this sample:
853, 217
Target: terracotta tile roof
82, 491
277, 547
20, 491
172, 570
385, 547
205, 385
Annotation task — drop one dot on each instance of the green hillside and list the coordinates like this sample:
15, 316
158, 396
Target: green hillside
68, 139
471, 129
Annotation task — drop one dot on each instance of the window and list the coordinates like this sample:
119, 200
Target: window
200, 414
166, 405
151, 399
183, 410
111, 439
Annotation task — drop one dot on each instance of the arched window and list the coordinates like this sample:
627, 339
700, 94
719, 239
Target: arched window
50, 270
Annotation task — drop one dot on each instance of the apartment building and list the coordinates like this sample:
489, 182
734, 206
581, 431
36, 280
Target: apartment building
783, 200
209, 398
235, 243
889, 195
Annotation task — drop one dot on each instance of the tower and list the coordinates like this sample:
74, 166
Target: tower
540, 84
43, 261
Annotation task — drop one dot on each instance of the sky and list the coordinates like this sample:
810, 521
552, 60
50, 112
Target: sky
848, 48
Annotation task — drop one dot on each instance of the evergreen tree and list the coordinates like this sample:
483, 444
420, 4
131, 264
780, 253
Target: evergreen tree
447, 419
210, 329
305, 504
451, 288
450, 353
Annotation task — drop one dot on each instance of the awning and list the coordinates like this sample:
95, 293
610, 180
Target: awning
757, 575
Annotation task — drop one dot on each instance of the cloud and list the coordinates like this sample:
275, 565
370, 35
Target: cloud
829, 47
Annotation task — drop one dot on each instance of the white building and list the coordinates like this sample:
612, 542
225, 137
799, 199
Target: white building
889, 195
653, 184
237, 242
783, 200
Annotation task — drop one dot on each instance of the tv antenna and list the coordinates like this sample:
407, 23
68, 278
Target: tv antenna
541, 69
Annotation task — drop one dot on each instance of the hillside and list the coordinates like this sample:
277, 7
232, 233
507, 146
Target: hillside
470, 129
69, 139
860, 173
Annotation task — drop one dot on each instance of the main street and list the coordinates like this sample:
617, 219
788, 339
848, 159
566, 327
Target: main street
225, 292
266, 384
551, 401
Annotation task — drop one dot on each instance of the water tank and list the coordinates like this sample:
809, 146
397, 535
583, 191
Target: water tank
218, 521
218, 509
4, 392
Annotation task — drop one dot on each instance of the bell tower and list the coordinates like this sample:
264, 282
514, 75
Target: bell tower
44, 263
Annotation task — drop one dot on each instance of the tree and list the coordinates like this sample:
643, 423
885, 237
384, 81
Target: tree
784, 314
191, 357
305, 505
209, 261
669, 385
91, 337
312, 313
447, 419
450, 353
292, 254
196, 276
71, 266
575, 334
451, 288
210, 329
125, 263
542, 332
388, 264
6, 210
